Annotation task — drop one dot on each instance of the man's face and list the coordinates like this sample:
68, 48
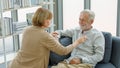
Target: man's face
84, 21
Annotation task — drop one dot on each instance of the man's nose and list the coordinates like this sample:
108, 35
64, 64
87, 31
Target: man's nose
81, 22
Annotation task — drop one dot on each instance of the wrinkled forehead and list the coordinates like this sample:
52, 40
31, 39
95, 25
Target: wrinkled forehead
84, 16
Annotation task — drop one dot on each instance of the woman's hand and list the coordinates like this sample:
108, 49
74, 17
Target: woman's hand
81, 39
54, 34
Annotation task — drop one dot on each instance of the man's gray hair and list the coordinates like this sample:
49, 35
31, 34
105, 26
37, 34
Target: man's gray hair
91, 13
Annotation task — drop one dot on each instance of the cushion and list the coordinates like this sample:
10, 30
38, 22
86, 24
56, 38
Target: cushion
55, 58
107, 65
108, 47
115, 56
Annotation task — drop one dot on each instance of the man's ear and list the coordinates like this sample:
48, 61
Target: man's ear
91, 21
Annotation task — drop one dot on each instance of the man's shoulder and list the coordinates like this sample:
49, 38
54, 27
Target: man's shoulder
77, 28
96, 31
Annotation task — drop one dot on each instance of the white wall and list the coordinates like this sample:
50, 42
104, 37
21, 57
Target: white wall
106, 15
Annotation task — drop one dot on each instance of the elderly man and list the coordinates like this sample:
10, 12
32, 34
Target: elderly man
92, 50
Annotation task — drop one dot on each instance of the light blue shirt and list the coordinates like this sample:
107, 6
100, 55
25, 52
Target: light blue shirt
92, 50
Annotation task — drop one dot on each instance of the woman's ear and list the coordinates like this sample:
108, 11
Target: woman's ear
45, 21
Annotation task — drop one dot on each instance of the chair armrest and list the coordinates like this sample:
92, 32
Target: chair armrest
115, 56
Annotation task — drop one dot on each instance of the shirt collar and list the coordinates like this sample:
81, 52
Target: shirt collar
85, 31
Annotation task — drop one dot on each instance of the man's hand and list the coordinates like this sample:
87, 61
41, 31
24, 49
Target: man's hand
75, 61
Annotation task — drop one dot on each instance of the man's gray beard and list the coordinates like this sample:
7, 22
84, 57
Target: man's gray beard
83, 27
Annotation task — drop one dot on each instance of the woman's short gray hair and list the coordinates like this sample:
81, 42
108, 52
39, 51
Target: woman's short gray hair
91, 13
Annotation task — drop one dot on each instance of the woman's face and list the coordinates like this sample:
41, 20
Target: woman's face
47, 23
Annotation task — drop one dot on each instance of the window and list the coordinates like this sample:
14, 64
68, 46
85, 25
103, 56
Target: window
71, 12
106, 15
